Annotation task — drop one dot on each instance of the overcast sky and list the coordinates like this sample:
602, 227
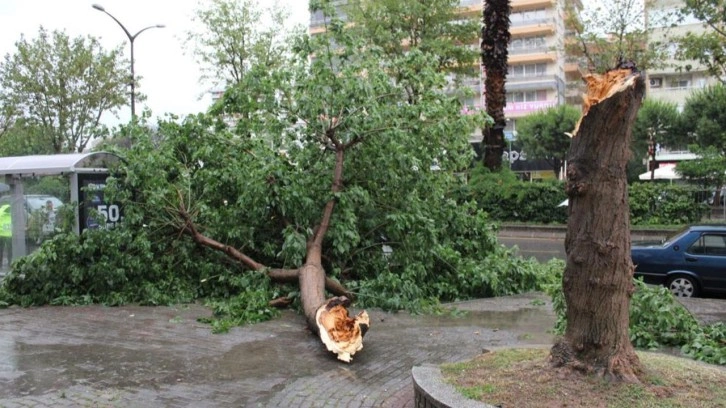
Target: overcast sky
169, 76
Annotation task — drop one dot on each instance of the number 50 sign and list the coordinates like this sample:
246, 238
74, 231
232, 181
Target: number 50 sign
94, 211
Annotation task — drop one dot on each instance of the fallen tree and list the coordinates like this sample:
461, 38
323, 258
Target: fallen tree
330, 106
597, 281
329, 319
336, 173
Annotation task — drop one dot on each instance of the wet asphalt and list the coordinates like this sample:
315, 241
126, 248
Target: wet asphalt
132, 356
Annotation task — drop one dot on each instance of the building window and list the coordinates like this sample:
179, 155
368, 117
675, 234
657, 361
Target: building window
679, 83
527, 70
527, 43
527, 96
528, 15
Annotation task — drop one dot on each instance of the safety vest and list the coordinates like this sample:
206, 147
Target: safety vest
6, 224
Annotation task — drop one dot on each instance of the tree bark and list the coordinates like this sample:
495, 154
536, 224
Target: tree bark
329, 319
597, 281
495, 37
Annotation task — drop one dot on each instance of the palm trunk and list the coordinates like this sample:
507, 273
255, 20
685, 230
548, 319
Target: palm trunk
495, 38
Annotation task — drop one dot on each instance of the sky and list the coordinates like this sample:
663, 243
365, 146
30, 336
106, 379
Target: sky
169, 74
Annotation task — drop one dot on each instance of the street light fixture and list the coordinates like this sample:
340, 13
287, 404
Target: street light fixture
131, 42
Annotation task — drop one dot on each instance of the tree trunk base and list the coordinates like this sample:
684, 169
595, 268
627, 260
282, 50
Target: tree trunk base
621, 366
340, 333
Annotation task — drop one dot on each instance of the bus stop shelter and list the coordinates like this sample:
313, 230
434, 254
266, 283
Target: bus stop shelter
84, 170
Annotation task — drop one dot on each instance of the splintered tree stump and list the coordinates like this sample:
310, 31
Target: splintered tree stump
329, 319
597, 281
340, 333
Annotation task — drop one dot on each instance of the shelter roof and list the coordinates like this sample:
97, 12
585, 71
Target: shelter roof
55, 164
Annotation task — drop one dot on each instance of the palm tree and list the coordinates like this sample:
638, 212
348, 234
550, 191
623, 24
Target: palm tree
494, 54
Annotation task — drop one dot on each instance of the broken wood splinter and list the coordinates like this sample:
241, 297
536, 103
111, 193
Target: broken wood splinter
340, 333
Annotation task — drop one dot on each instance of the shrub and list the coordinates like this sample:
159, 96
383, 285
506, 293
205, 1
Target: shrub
505, 198
657, 320
656, 203
708, 344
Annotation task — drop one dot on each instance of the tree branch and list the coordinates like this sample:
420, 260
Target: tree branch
277, 275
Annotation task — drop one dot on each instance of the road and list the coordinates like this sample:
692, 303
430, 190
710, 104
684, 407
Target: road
545, 243
541, 248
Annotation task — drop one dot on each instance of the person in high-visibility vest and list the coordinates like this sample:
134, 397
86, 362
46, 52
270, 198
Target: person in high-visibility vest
6, 234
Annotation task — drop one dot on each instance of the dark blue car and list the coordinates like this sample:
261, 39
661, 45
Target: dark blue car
689, 263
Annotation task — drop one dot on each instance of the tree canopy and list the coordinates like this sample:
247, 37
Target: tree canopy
63, 86
661, 120
337, 170
703, 119
708, 171
234, 36
608, 33
545, 134
25, 138
707, 47
434, 27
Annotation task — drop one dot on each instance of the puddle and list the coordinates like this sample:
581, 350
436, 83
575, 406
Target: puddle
150, 351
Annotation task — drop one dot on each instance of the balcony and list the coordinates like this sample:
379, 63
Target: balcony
540, 26
531, 4
317, 19
530, 50
524, 83
573, 68
516, 4
532, 58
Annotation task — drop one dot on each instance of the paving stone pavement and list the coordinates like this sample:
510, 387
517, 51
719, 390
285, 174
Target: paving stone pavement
133, 356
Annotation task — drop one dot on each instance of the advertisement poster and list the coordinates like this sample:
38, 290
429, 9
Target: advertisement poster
94, 211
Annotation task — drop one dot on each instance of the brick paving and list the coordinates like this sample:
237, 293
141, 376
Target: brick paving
131, 356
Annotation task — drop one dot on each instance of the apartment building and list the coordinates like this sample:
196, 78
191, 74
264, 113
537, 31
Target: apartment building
673, 83
537, 75
537, 69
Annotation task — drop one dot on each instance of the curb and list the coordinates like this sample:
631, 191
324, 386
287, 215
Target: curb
430, 391
559, 231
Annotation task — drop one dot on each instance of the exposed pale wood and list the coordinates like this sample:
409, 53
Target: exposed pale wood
341, 334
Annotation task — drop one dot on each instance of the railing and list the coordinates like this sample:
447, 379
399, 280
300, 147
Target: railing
534, 77
466, 3
522, 22
531, 50
674, 88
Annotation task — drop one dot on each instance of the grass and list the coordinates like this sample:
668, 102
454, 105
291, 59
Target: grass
523, 378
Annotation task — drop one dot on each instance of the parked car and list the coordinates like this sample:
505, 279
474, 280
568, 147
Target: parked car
689, 263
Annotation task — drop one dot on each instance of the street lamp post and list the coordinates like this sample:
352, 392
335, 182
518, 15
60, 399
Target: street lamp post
131, 42
651, 153
509, 139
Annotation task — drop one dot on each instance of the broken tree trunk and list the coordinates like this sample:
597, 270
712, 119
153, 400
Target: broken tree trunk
329, 319
597, 281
